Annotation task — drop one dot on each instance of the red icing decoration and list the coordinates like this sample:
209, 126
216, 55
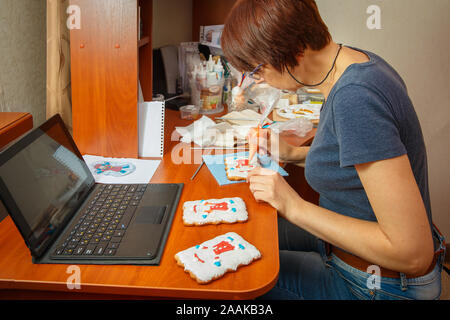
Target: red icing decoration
242, 163
106, 167
195, 255
222, 206
222, 247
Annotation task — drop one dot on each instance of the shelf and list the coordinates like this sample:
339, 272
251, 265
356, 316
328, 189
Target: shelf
144, 41
210, 44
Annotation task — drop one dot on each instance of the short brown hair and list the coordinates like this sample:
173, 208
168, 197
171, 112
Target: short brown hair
272, 32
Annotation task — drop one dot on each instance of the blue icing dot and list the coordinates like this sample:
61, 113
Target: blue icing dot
231, 168
217, 263
197, 246
241, 246
125, 166
231, 201
201, 201
204, 216
233, 209
122, 171
230, 238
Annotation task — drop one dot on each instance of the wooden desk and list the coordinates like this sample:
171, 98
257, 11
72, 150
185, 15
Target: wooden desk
166, 280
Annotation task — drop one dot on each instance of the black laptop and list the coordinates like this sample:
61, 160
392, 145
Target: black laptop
65, 217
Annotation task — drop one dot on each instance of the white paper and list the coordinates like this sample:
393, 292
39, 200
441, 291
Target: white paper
151, 129
143, 173
206, 133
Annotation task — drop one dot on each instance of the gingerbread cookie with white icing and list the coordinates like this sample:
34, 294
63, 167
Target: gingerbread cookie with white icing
237, 167
214, 211
214, 258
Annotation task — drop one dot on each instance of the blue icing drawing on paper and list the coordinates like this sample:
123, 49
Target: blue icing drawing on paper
231, 201
204, 216
217, 263
233, 209
230, 238
241, 246
197, 246
114, 169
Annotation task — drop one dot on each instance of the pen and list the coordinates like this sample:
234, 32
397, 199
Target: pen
198, 169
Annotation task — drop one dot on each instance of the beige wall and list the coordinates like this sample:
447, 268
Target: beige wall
172, 22
414, 40
23, 57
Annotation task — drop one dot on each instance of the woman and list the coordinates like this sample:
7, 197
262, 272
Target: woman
372, 235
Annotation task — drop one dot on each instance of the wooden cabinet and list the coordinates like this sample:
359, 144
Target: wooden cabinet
13, 125
208, 13
105, 58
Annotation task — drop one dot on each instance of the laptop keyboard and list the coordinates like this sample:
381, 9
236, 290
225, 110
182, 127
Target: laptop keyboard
103, 223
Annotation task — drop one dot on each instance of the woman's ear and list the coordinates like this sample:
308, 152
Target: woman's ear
300, 57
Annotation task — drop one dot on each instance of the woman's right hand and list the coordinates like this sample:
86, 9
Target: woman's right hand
265, 141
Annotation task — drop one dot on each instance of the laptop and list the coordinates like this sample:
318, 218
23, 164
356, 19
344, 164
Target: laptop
65, 217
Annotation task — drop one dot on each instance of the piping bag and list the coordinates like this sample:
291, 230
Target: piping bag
254, 149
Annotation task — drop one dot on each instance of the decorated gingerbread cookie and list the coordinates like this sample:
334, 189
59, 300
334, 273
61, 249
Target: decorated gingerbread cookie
214, 211
212, 259
237, 167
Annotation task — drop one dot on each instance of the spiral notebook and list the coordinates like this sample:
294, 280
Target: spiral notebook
151, 129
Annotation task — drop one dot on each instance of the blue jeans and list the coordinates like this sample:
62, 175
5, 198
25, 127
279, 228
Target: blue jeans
306, 272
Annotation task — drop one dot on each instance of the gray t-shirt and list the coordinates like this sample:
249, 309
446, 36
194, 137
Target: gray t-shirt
368, 116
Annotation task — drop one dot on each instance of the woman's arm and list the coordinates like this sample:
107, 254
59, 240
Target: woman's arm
401, 239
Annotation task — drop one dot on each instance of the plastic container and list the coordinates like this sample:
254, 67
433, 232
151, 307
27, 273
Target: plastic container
189, 112
208, 96
158, 97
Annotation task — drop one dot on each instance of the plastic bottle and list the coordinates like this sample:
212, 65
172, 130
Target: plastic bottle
200, 77
194, 73
210, 64
218, 69
211, 79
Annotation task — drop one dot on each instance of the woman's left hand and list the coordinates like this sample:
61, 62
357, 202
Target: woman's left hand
269, 186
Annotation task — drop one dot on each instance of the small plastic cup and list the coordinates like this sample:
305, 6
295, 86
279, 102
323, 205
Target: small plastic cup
189, 112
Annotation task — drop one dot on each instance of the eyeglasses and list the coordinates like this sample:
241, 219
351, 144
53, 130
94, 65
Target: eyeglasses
254, 74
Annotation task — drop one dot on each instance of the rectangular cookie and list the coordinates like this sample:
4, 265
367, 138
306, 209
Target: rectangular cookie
237, 167
214, 258
214, 211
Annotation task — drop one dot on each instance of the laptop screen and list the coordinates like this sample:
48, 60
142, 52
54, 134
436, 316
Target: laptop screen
43, 181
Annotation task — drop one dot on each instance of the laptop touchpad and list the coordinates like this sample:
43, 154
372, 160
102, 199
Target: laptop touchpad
150, 215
